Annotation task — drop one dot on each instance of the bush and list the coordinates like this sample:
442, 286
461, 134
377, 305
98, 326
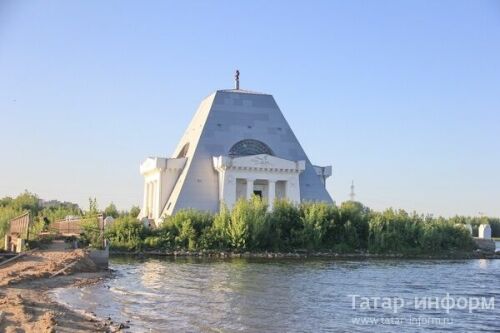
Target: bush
249, 225
284, 225
188, 227
355, 218
393, 231
442, 235
258, 222
316, 219
126, 232
399, 232
153, 242
217, 237
91, 232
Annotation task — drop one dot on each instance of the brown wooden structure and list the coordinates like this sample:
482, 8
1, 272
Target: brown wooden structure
18, 232
73, 227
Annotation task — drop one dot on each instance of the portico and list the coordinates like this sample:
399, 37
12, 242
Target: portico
263, 175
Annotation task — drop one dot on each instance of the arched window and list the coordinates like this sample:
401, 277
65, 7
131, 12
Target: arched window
249, 147
183, 151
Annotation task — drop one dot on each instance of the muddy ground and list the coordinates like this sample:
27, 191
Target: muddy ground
25, 305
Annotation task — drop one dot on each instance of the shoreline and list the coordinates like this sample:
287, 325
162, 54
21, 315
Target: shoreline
80, 280
305, 255
32, 305
27, 302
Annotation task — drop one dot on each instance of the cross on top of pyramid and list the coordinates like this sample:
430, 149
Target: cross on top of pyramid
237, 79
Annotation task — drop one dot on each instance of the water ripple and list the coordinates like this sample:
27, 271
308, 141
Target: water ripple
288, 295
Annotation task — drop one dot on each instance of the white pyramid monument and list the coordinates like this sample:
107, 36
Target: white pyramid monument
237, 145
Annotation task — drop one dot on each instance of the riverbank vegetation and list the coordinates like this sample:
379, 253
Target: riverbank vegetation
350, 227
249, 226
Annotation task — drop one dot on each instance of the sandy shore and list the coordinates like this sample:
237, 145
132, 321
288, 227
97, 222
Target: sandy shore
25, 304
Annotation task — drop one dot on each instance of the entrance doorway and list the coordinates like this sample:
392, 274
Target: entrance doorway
258, 193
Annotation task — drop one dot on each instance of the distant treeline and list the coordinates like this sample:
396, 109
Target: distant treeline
249, 226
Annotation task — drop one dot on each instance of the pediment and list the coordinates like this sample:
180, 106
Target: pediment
261, 161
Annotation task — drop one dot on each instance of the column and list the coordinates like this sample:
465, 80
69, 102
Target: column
158, 199
148, 204
249, 188
145, 200
150, 199
293, 189
229, 190
271, 188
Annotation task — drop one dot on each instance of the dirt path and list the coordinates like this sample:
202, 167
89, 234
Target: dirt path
25, 305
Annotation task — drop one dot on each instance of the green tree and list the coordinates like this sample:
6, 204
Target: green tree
111, 211
27, 202
135, 211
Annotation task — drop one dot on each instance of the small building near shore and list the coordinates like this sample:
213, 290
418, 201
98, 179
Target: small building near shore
238, 144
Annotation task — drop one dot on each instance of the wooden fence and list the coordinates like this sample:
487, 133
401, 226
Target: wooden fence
20, 225
72, 227
18, 233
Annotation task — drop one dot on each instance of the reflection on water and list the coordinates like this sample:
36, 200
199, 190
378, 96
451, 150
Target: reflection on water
283, 295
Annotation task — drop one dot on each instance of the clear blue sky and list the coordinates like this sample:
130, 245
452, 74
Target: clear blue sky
401, 96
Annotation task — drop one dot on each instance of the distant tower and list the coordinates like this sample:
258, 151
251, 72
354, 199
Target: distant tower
352, 194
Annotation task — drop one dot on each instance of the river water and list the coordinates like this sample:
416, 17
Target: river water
195, 295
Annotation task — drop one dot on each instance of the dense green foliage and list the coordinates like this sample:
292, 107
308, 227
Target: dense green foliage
93, 233
475, 222
393, 231
134, 211
126, 232
111, 211
250, 226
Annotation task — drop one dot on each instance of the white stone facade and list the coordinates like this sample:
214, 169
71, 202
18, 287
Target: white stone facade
160, 176
266, 176
237, 144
